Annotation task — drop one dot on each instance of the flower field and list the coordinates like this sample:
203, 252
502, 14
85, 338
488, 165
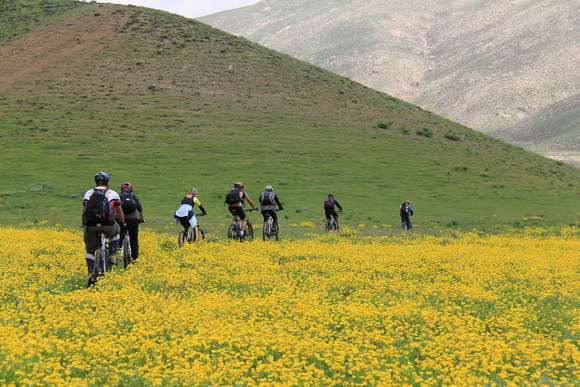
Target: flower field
454, 309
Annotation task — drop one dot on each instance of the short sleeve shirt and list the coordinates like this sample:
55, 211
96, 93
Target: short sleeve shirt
114, 200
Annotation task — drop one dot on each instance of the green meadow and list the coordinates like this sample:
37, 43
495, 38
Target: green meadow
169, 103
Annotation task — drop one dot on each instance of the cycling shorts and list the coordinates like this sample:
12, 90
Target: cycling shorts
238, 211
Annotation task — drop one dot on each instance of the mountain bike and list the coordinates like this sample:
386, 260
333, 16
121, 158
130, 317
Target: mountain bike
126, 250
270, 229
332, 224
235, 227
193, 234
102, 263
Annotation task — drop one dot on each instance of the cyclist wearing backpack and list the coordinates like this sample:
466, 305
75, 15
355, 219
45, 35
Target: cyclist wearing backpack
133, 216
99, 207
406, 211
329, 208
268, 200
235, 200
185, 213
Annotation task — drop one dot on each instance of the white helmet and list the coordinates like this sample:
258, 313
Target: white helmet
269, 188
193, 191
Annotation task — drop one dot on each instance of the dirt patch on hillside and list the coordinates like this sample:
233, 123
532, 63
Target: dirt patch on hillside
75, 41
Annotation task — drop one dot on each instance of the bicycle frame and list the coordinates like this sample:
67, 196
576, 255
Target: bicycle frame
192, 234
331, 224
269, 229
235, 227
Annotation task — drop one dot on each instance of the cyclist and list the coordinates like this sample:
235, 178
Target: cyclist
237, 209
329, 208
406, 210
268, 200
108, 226
133, 216
184, 213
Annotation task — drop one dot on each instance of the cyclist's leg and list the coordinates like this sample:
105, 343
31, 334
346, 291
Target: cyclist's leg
192, 220
335, 214
242, 214
92, 243
134, 235
112, 232
233, 227
275, 219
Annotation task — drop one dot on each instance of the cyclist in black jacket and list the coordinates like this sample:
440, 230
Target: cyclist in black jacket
268, 201
329, 210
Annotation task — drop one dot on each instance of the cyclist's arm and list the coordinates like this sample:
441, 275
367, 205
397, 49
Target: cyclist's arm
338, 205
120, 213
203, 211
250, 201
278, 203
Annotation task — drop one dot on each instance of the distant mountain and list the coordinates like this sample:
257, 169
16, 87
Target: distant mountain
495, 66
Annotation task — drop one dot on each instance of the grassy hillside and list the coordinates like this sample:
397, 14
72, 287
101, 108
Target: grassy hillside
488, 65
169, 103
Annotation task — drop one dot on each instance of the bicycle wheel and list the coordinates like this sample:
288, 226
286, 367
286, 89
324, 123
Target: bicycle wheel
126, 250
275, 231
249, 231
328, 226
190, 235
181, 238
266, 231
233, 231
335, 226
102, 264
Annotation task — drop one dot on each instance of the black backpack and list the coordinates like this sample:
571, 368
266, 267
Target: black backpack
233, 197
268, 198
97, 209
128, 201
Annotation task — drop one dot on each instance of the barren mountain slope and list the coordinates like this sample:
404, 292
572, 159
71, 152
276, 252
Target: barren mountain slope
487, 65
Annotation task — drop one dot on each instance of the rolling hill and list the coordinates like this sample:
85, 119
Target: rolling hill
495, 66
170, 103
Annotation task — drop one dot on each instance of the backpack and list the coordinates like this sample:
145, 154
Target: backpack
233, 197
268, 198
128, 201
329, 203
97, 209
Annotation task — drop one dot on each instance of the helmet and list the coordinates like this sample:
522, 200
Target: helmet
269, 188
127, 185
330, 195
102, 177
193, 191
239, 184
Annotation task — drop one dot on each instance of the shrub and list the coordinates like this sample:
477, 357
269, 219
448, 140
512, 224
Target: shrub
384, 125
425, 132
452, 136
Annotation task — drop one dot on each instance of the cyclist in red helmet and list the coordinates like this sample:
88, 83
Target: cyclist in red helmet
134, 215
